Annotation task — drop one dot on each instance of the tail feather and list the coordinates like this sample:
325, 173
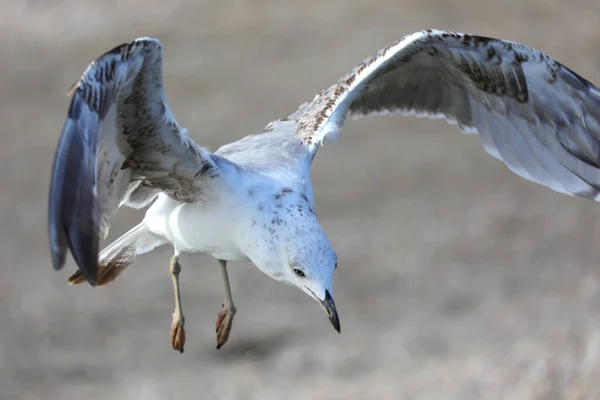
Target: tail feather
120, 254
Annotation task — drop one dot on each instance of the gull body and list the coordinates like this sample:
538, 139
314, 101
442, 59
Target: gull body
248, 214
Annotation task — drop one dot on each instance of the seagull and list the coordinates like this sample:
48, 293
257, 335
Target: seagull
252, 199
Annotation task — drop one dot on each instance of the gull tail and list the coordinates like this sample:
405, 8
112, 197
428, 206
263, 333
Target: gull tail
120, 254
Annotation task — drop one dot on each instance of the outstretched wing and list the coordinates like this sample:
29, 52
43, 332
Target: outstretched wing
120, 145
537, 116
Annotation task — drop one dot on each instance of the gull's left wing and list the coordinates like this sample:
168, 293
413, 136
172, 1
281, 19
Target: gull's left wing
537, 116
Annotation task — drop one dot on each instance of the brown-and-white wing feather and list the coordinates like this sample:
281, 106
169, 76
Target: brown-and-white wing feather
120, 145
537, 116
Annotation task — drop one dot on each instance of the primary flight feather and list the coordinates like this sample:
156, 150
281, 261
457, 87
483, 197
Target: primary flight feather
252, 199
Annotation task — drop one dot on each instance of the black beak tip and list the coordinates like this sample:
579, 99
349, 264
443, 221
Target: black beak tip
332, 311
336, 323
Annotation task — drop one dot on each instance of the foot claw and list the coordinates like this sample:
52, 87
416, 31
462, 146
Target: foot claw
224, 324
177, 336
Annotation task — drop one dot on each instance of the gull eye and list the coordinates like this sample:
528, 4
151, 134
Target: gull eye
299, 273
335, 266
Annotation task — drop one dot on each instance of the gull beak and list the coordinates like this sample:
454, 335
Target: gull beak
329, 307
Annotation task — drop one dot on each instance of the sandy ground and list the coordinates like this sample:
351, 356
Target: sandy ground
457, 279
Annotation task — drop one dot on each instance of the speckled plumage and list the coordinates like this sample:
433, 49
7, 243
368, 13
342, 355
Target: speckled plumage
252, 199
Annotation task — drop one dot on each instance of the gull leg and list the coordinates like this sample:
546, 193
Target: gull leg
225, 316
177, 329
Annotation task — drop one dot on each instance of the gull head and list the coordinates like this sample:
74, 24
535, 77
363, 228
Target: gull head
311, 262
289, 244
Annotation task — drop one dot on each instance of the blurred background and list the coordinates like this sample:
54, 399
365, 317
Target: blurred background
457, 279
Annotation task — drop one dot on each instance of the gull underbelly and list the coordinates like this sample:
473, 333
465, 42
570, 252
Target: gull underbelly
205, 227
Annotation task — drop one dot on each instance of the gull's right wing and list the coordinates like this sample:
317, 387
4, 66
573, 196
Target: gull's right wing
120, 145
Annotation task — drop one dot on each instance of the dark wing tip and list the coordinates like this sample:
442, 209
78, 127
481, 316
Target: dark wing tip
73, 209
